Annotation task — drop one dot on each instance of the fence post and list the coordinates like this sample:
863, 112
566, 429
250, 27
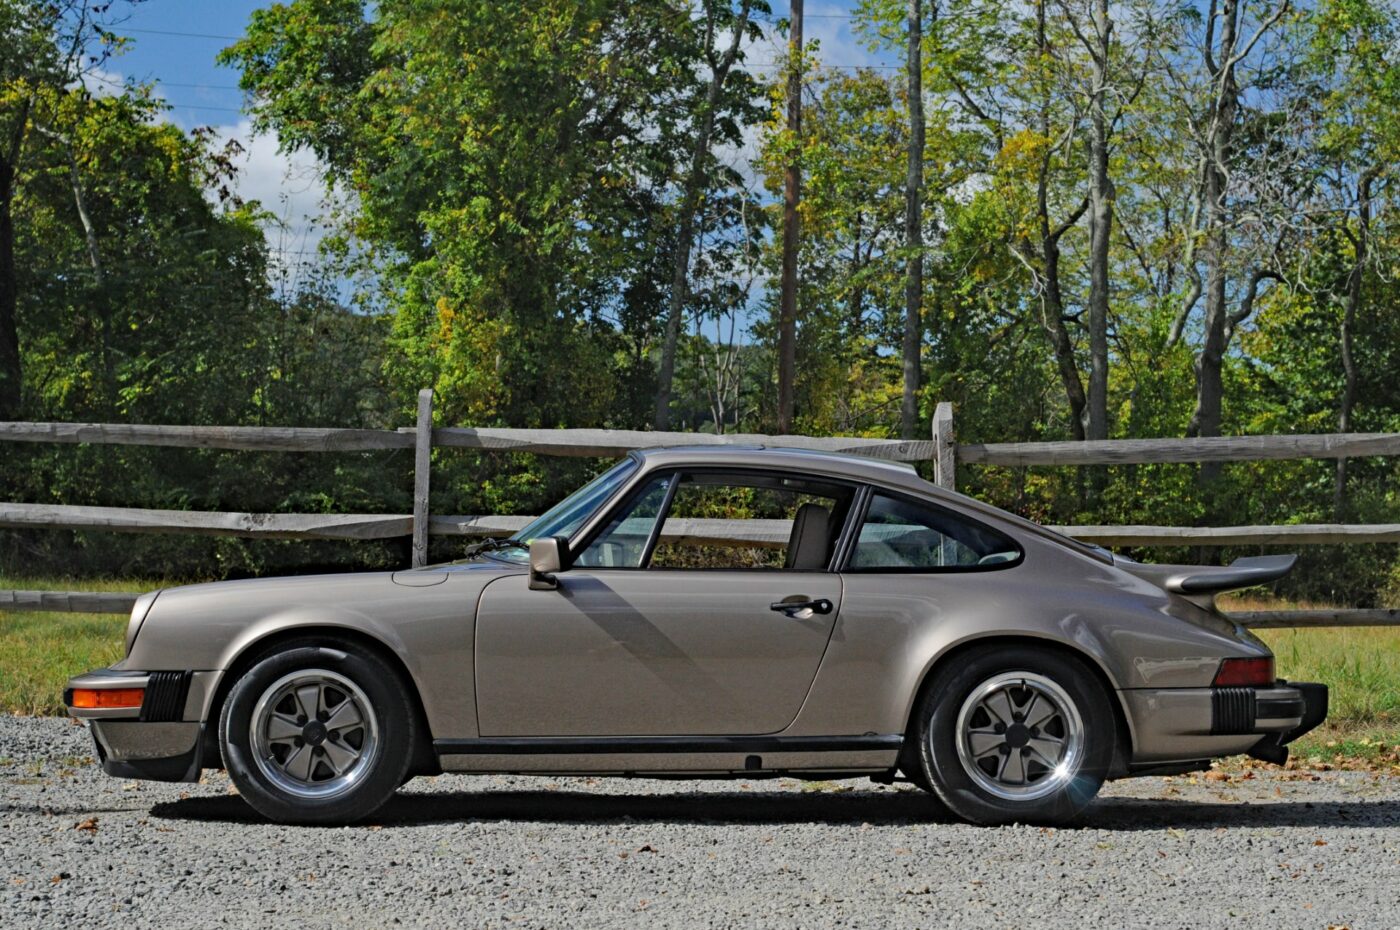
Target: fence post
944, 447
422, 461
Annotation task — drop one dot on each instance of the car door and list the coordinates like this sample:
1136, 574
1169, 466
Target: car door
660, 628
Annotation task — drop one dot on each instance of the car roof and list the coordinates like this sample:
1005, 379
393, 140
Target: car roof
863, 468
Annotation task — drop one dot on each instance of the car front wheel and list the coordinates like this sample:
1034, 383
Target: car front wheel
1015, 735
317, 733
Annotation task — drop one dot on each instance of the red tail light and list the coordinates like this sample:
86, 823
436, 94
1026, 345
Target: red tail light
1237, 672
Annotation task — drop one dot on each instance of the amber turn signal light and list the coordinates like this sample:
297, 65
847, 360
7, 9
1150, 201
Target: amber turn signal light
1237, 672
98, 698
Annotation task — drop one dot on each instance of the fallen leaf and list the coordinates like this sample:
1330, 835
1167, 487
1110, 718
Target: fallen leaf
90, 825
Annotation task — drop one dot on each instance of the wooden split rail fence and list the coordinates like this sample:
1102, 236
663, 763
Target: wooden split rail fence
941, 450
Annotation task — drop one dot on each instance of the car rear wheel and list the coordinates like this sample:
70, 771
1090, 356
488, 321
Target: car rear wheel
1015, 735
318, 733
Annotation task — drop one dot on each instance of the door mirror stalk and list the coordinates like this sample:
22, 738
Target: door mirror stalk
548, 556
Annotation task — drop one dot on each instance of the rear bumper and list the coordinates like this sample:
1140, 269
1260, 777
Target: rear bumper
1180, 724
162, 739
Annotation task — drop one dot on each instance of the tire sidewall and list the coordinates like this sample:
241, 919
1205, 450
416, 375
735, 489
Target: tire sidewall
386, 695
935, 728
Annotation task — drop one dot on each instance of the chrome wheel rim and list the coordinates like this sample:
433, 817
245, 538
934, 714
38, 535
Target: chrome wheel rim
1020, 736
315, 734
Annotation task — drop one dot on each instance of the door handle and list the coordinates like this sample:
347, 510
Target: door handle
802, 609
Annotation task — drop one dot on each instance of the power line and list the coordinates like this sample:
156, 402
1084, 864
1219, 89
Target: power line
198, 86
196, 106
843, 67
184, 35
113, 82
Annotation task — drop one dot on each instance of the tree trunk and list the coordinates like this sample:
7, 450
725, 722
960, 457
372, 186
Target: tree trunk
102, 298
1348, 332
11, 371
913, 229
856, 303
11, 374
792, 196
1053, 308
1052, 305
1100, 226
1210, 391
690, 205
680, 277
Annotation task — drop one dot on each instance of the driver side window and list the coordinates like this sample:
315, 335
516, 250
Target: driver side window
724, 520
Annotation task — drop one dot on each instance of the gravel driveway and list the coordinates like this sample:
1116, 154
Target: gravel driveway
78, 849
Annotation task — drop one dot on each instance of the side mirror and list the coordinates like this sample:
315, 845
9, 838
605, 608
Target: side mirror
548, 554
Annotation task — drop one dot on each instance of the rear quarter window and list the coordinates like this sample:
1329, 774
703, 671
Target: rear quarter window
902, 535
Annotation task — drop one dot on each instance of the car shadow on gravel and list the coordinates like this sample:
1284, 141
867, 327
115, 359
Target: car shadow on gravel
878, 808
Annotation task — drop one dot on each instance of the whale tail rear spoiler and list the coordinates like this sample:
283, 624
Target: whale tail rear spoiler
1242, 573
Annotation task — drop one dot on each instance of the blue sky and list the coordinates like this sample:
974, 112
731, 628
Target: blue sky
174, 45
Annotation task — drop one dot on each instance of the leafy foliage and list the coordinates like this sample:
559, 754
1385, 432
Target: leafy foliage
521, 183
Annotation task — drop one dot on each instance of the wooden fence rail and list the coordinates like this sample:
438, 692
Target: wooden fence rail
246, 438
605, 442
1210, 449
389, 526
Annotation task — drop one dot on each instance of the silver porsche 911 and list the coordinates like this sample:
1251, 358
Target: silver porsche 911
710, 612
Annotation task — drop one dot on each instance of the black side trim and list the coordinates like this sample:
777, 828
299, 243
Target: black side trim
165, 697
1314, 708
548, 745
1231, 710
1279, 708
1274, 747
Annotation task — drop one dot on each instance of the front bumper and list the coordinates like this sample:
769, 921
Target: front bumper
161, 740
1182, 724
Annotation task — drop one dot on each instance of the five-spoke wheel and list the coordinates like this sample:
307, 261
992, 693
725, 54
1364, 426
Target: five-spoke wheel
318, 733
314, 733
1020, 736
1014, 734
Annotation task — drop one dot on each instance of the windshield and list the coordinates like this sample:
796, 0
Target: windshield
565, 517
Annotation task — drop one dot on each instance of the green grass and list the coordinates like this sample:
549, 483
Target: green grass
40, 650
1361, 667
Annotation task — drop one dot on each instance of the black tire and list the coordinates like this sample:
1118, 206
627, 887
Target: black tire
387, 736
935, 732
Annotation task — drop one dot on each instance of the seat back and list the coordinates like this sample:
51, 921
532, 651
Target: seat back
809, 546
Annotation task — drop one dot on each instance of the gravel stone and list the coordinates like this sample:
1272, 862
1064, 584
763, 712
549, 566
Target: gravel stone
1284, 850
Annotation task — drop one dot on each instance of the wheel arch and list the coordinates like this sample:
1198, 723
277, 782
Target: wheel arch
1126, 737
253, 651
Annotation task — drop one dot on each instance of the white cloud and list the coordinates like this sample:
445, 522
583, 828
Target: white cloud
287, 184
